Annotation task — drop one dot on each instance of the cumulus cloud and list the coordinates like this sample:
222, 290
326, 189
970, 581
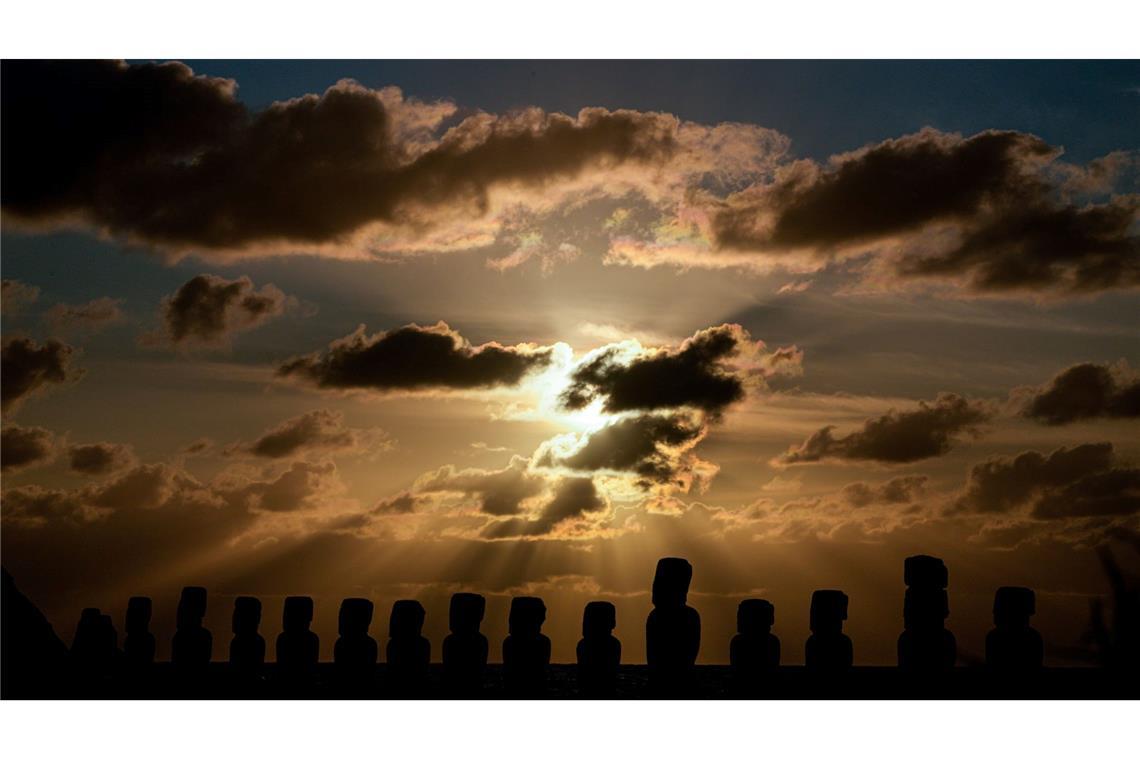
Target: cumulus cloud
901, 490
91, 316
572, 498
897, 437
28, 368
499, 492
1082, 481
99, 458
15, 295
208, 309
302, 486
23, 447
414, 358
1081, 392
318, 430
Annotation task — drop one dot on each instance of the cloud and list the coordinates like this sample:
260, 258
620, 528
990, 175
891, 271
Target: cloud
414, 358
403, 503
708, 371
500, 492
318, 430
15, 295
91, 316
99, 458
572, 498
1082, 481
301, 486
897, 437
900, 490
23, 447
1081, 392
208, 309
28, 368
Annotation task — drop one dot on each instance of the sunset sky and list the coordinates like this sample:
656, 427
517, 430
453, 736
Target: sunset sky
401, 329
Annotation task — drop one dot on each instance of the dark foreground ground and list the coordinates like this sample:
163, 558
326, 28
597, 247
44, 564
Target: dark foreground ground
710, 682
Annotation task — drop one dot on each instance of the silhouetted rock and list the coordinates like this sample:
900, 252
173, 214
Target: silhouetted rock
1013, 644
526, 651
925, 645
754, 651
33, 658
247, 647
828, 648
672, 630
465, 648
297, 646
139, 644
599, 653
192, 645
408, 653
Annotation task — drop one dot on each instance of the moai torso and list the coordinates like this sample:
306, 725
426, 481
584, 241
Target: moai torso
139, 644
465, 648
247, 647
599, 653
1013, 645
408, 652
828, 648
526, 651
754, 649
925, 644
192, 645
673, 629
297, 647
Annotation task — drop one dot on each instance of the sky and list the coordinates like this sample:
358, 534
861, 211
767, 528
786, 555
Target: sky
397, 329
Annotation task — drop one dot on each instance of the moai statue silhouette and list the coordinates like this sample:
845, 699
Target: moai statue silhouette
138, 646
755, 650
599, 653
94, 648
673, 629
247, 647
465, 648
925, 645
408, 652
1013, 644
355, 652
526, 650
192, 646
828, 648
297, 646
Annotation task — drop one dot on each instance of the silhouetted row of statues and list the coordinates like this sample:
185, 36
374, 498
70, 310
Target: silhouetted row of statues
672, 630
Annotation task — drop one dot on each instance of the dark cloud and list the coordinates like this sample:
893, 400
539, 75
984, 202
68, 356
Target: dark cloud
1083, 481
572, 498
318, 430
1009, 227
415, 358
694, 375
99, 458
27, 368
91, 316
1084, 391
22, 447
173, 159
403, 503
302, 486
897, 437
900, 490
208, 309
500, 492
15, 295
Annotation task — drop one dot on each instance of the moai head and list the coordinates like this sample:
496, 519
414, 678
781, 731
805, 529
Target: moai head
925, 606
247, 615
108, 637
924, 571
407, 619
1013, 606
355, 617
466, 613
191, 606
671, 582
755, 616
138, 614
828, 611
298, 613
528, 613
598, 619
88, 623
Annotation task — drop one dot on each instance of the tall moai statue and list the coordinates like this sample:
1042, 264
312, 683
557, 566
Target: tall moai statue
247, 647
94, 647
599, 653
465, 648
192, 645
1013, 644
297, 647
139, 644
408, 653
355, 652
828, 648
755, 650
526, 650
673, 629
925, 645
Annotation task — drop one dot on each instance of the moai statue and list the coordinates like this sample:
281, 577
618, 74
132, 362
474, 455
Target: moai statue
673, 629
828, 648
297, 646
925, 645
599, 653
94, 648
465, 648
408, 652
526, 650
192, 646
355, 652
247, 647
1013, 644
754, 649
138, 646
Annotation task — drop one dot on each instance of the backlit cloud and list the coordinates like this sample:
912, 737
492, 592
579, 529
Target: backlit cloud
207, 310
29, 368
23, 447
1082, 392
